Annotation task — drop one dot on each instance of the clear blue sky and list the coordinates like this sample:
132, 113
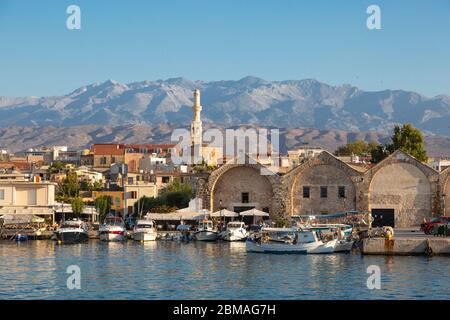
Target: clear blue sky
224, 39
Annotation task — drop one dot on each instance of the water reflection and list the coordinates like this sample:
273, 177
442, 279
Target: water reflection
173, 270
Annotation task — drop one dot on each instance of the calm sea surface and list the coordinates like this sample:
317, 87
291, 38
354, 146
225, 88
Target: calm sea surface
171, 270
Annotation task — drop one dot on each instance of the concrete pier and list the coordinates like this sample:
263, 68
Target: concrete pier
406, 246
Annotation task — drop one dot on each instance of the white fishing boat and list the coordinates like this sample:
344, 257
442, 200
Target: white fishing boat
113, 229
288, 240
145, 230
341, 232
206, 231
72, 231
235, 231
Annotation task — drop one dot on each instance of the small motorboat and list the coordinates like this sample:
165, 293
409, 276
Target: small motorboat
21, 237
288, 240
235, 231
113, 229
72, 231
145, 230
206, 231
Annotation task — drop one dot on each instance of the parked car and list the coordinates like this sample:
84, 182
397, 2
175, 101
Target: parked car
428, 227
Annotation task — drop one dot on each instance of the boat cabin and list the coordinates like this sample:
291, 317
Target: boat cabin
236, 225
145, 224
205, 224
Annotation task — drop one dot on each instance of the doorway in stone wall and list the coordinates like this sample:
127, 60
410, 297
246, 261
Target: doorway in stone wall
383, 218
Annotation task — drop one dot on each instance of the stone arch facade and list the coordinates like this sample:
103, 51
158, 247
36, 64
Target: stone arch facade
228, 182
324, 171
405, 185
400, 182
444, 186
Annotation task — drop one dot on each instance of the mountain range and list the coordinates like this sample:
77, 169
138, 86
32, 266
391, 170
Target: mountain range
148, 110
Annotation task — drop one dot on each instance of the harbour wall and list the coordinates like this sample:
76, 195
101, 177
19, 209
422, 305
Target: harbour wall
406, 246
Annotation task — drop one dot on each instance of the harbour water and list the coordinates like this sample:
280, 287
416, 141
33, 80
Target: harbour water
171, 270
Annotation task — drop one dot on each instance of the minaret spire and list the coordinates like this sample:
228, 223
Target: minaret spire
196, 128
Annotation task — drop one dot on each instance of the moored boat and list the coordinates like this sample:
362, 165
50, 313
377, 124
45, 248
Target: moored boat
235, 231
206, 231
72, 231
113, 229
145, 230
341, 232
289, 240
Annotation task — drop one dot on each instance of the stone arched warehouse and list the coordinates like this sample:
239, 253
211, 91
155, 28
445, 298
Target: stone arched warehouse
399, 191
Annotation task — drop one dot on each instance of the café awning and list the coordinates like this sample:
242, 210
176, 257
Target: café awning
254, 213
224, 213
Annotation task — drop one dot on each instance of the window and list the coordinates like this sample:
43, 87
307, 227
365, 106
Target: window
133, 195
323, 192
165, 179
2, 194
341, 192
103, 160
130, 180
113, 159
306, 192
245, 197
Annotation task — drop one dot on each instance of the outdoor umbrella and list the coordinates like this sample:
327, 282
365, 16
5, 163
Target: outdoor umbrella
224, 213
254, 213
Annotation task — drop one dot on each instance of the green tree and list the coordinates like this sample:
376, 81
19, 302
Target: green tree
56, 167
163, 209
179, 199
86, 186
177, 186
77, 206
358, 148
146, 204
103, 206
379, 153
69, 186
96, 186
407, 139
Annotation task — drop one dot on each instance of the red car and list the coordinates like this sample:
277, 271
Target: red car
428, 227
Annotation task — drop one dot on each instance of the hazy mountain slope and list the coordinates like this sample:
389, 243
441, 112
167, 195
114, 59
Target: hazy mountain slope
17, 139
289, 104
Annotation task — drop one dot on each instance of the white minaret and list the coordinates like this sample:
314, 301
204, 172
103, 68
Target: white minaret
196, 129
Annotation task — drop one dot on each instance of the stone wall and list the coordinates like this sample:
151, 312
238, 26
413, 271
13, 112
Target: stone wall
229, 182
399, 182
327, 171
234, 182
329, 177
404, 184
444, 186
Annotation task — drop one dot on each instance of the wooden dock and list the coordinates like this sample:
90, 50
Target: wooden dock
7, 234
